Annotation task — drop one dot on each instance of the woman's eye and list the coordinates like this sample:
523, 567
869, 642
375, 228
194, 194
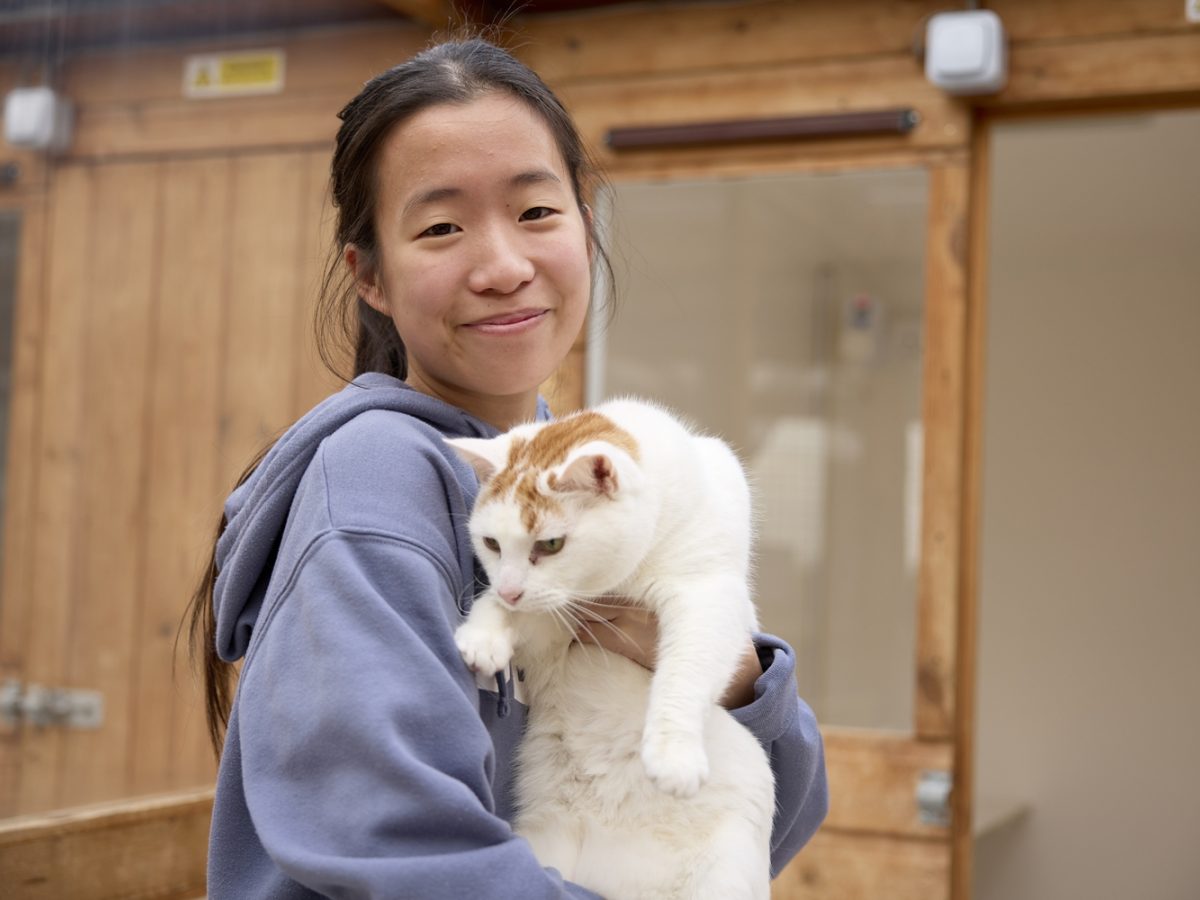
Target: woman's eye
492, 544
537, 212
441, 229
550, 547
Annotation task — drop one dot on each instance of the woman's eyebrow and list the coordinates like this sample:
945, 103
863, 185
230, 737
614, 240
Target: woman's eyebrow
436, 195
534, 176
433, 195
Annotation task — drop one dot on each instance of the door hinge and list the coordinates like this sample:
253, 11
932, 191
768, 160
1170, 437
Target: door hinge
43, 707
933, 798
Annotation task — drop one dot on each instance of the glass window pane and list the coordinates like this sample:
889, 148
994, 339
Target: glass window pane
784, 314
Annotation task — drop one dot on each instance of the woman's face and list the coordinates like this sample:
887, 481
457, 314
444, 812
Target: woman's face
483, 254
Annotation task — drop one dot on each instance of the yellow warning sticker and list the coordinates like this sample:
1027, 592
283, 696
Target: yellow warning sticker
233, 74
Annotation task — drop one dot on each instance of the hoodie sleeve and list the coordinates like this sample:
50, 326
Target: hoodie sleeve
366, 768
787, 728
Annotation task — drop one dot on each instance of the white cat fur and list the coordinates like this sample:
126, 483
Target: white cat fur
670, 531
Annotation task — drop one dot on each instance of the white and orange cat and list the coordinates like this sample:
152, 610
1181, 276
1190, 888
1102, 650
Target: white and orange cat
634, 784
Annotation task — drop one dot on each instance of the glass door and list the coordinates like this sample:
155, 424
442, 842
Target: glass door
815, 321
784, 314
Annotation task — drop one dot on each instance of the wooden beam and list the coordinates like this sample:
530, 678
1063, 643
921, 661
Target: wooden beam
434, 13
1155, 67
794, 90
963, 799
839, 865
942, 415
150, 847
873, 781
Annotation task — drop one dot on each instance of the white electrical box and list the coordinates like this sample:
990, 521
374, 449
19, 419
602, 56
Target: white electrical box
38, 118
965, 52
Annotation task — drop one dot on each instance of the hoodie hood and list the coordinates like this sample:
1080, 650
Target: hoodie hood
257, 511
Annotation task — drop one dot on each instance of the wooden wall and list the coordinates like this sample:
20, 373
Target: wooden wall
167, 262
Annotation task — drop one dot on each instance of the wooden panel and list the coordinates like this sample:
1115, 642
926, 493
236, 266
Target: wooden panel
721, 36
20, 477
848, 866
838, 86
1033, 20
184, 501
834, 86
873, 781
317, 60
779, 159
110, 505
261, 306
133, 103
55, 523
177, 127
849, 59
147, 848
714, 37
577, 46
435, 13
942, 415
1158, 66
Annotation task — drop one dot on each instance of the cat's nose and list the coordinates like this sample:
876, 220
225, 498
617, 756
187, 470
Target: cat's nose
511, 596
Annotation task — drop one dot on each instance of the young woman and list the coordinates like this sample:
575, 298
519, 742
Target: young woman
360, 759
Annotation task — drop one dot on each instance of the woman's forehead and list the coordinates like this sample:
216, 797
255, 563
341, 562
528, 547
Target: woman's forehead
494, 140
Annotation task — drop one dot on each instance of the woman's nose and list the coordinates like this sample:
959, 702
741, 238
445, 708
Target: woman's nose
500, 266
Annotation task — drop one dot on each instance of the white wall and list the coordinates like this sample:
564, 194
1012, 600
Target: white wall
1089, 669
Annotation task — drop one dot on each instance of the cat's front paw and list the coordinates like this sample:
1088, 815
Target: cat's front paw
485, 648
675, 761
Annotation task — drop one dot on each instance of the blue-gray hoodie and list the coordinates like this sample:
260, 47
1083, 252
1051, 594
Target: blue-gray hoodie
361, 759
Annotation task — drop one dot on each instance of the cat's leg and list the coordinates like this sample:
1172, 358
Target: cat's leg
734, 877
487, 639
555, 845
734, 864
704, 629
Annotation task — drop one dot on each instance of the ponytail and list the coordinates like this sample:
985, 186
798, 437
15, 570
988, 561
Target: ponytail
201, 619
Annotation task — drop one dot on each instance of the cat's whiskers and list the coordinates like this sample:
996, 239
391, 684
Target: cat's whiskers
576, 608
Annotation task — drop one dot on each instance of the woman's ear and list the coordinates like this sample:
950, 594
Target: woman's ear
366, 278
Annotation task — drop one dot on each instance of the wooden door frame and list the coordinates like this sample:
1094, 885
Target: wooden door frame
873, 774
29, 197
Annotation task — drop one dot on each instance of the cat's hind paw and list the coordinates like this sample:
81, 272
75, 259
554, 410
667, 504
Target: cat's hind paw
675, 761
484, 649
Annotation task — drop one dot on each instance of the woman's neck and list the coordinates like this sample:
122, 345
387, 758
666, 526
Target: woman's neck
502, 412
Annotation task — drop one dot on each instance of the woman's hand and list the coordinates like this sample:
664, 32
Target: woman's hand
619, 627
632, 631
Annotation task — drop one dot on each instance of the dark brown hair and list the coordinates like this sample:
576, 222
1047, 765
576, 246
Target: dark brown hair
455, 72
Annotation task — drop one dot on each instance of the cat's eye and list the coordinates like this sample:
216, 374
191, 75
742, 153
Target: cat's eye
492, 544
550, 546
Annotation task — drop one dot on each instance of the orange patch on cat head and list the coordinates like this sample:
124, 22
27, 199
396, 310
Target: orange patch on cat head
528, 458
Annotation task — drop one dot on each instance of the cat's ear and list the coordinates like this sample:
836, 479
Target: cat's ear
592, 473
485, 456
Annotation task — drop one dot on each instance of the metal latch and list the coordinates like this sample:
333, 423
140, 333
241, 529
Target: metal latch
43, 707
933, 798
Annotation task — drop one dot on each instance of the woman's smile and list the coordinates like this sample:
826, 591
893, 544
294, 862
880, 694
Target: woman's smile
511, 323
